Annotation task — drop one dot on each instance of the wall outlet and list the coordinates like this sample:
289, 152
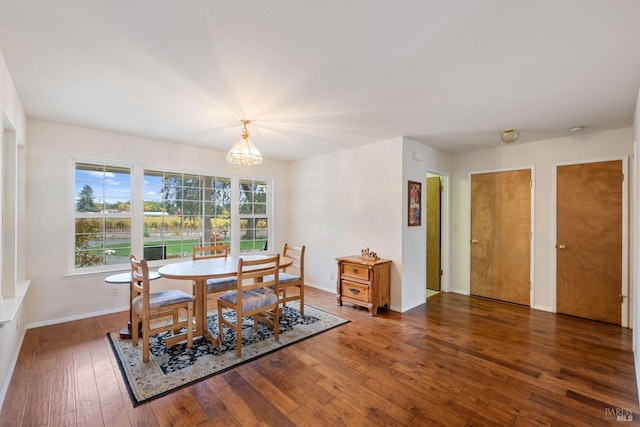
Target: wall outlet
114, 291
330, 276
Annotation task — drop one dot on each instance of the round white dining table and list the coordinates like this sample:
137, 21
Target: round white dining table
199, 271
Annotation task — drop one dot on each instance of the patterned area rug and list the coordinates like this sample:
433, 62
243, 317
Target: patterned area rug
178, 366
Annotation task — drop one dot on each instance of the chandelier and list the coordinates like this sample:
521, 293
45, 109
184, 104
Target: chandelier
243, 151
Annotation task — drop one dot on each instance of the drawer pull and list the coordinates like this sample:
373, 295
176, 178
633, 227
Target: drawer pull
354, 290
355, 270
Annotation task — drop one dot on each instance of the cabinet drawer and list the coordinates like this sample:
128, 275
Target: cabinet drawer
354, 290
355, 270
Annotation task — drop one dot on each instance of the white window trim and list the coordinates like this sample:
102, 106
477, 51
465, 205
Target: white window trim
71, 244
137, 210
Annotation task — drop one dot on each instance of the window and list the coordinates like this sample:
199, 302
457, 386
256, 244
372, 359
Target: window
182, 211
254, 221
102, 215
169, 214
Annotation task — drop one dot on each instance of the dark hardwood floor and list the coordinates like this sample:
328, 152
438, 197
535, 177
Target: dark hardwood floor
456, 361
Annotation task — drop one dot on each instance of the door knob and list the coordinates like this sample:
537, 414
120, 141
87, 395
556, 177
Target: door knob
561, 246
474, 241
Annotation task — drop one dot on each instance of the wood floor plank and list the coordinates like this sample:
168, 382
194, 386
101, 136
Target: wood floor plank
179, 409
269, 389
88, 410
63, 392
455, 361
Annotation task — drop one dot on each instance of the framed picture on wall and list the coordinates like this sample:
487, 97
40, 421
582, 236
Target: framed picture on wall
415, 203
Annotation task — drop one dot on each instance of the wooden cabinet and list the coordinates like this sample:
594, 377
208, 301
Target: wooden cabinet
364, 282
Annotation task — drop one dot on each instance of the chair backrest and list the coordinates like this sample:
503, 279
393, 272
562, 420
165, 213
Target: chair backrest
214, 251
253, 273
140, 277
295, 253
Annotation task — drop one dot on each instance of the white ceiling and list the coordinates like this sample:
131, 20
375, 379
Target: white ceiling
321, 76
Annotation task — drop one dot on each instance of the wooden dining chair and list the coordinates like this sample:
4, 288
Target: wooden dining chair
256, 295
293, 276
214, 251
219, 250
147, 306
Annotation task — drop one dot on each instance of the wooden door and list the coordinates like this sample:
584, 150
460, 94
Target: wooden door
501, 235
433, 232
589, 241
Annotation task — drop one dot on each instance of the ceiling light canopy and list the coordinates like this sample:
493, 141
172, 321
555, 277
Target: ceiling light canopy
243, 151
576, 129
509, 136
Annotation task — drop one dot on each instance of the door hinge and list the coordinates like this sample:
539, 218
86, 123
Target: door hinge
441, 272
622, 177
621, 299
442, 188
530, 184
529, 285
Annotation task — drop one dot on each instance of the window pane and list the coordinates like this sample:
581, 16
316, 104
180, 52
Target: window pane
100, 188
101, 241
174, 214
220, 211
253, 234
102, 223
260, 208
253, 197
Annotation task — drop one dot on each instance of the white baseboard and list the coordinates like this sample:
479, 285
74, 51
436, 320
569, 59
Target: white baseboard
12, 366
322, 288
407, 308
543, 308
76, 317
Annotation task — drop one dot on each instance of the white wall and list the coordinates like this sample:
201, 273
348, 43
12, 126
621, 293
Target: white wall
417, 160
542, 156
55, 296
344, 202
356, 198
11, 333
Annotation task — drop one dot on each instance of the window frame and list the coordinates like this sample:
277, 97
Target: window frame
136, 213
75, 161
255, 216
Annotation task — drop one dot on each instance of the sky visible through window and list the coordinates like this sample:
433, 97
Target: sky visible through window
111, 186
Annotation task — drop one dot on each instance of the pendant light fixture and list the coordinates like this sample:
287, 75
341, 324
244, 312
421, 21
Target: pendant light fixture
243, 151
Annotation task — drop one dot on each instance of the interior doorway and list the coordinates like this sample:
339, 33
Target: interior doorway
436, 233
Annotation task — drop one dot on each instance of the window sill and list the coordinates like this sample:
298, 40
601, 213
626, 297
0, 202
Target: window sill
9, 306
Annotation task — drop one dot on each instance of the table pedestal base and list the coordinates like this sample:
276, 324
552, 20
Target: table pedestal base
125, 333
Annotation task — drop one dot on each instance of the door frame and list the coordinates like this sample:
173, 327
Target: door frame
444, 230
624, 286
532, 263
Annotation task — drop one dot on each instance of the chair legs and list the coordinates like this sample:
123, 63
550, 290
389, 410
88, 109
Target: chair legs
190, 325
300, 297
301, 287
146, 330
236, 327
274, 314
135, 334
